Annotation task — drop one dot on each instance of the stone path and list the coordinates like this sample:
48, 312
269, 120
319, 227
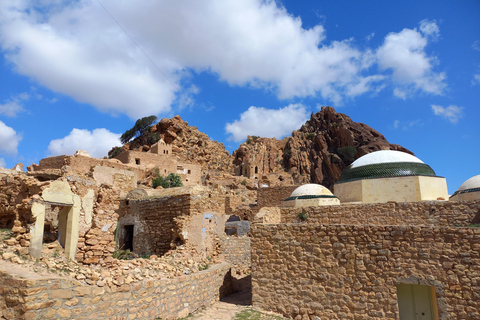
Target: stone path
225, 309
229, 307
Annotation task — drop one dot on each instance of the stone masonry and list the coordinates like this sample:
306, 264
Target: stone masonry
56, 298
304, 271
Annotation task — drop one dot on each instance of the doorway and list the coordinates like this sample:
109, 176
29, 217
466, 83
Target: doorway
127, 237
417, 302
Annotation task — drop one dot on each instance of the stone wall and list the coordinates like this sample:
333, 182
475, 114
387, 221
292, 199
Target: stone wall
153, 222
273, 196
193, 215
343, 272
54, 298
236, 251
438, 213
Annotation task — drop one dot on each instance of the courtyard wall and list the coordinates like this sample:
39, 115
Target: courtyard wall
436, 213
347, 272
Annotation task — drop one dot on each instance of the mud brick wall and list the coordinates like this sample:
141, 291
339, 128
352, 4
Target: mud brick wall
351, 272
168, 299
236, 251
438, 213
273, 196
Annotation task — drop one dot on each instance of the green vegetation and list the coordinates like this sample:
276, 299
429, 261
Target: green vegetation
310, 135
171, 181
255, 138
140, 127
248, 141
203, 267
303, 216
123, 254
347, 153
287, 153
250, 314
116, 151
244, 182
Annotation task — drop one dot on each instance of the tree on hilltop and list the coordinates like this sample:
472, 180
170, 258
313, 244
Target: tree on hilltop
140, 127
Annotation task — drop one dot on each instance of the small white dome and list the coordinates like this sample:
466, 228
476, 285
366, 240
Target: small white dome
384, 156
310, 189
473, 182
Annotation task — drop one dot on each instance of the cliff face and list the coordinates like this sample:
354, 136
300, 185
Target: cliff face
317, 152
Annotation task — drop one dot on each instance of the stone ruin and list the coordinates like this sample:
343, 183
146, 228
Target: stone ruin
83, 239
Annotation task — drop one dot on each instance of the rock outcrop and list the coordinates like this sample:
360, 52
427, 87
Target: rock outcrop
188, 144
317, 152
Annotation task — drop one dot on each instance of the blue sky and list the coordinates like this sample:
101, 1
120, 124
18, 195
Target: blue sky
76, 74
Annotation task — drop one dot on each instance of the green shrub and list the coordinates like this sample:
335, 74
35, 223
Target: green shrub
116, 151
171, 181
303, 216
123, 255
244, 182
310, 136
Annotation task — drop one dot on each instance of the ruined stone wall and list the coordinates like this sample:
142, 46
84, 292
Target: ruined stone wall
438, 213
15, 191
32, 299
273, 196
191, 174
351, 272
236, 251
153, 220
81, 164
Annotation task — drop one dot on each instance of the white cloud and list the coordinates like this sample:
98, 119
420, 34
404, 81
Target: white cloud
404, 53
9, 140
430, 28
396, 123
267, 122
476, 45
2, 163
451, 113
14, 104
97, 142
476, 79
77, 49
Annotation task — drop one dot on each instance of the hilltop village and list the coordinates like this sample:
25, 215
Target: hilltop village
333, 222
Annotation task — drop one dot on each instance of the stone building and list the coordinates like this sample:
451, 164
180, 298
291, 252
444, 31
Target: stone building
469, 190
155, 221
310, 195
389, 175
160, 156
416, 260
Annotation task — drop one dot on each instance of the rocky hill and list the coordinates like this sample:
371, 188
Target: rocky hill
317, 152
189, 144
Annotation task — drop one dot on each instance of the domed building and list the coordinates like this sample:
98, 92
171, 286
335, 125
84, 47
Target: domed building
389, 175
309, 195
469, 190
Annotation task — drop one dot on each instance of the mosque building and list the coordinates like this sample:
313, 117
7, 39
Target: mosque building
389, 175
469, 190
311, 195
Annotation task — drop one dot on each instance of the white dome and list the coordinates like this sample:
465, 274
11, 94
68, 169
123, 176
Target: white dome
310, 189
384, 156
473, 182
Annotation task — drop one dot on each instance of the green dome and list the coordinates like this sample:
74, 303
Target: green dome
385, 164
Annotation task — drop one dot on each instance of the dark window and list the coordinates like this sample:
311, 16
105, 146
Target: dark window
137, 161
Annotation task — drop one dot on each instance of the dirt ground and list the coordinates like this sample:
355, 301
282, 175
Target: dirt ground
233, 307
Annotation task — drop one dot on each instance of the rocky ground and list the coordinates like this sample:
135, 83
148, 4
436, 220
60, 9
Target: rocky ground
112, 272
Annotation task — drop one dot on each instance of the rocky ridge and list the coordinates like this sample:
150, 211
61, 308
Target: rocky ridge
318, 152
